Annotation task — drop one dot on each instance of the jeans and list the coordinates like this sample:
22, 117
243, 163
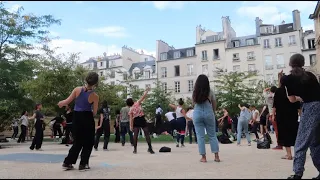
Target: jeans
243, 124
125, 128
203, 118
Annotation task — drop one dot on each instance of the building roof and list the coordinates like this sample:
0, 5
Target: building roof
242, 40
107, 58
316, 11
183, 52
141, 65
285, 28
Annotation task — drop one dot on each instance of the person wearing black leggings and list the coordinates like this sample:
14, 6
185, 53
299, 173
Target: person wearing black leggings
69, 118
103, 126
138, 121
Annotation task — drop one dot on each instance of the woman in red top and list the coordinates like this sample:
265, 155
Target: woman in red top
138, 121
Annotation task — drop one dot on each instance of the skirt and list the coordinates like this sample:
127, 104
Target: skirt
139, 122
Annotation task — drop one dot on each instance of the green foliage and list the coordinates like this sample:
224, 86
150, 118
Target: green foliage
231, 91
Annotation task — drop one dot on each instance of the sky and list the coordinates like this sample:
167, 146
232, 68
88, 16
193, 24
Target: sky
95, 27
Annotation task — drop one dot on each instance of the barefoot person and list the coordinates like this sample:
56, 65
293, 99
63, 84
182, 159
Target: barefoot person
303, 86
86, 107
204, 118
39, 126
138, 121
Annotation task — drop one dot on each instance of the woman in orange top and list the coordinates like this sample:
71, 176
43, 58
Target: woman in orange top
137, 121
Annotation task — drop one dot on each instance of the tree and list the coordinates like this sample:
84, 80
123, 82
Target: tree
231, 90
19, 35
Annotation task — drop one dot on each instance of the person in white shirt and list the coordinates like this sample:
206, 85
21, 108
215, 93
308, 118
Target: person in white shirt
189, 117
171, 119
255, 122
159, 122
24, 120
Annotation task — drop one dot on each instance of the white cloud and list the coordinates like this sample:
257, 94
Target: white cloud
14, 8
273, 12
110, 31
53, 33
308, 27
162, 5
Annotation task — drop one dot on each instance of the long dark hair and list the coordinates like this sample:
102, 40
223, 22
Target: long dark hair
297, 62
201, 89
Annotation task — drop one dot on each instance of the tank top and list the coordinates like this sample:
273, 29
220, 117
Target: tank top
178, 112
81, 102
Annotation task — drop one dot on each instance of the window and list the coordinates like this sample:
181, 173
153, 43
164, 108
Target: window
292, 39
163, 56
203, 41
125, 76
101, 73
312, 59
112, 63
251, 67
236, 68
112, 83
280, 61
311, 44
266, 43
89, 66
216, 54
190, 85
112, 74
268, 30
176, 55
101, 63
177, 86
250, 55
204, 55
269, 78
189, 52
278, 42
136, 75
145, 59
176, 70
235, 43
147, 86
268, 62
236, 56
164, 87
147, 74
190, 69
163, 72
205, 69
250, 42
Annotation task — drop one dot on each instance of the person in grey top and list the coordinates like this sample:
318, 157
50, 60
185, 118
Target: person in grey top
125, 125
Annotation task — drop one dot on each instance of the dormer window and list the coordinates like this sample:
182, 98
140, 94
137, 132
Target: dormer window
250, 42
176, 54
101, 63
189, 52
235, 43
136, 75
163, 56
147, 74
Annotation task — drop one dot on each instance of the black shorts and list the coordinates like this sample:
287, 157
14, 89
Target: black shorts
263, 121
139, 122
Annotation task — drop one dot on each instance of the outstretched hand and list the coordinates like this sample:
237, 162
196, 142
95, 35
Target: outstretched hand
61, 104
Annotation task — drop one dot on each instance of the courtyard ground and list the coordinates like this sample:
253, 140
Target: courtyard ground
17, 162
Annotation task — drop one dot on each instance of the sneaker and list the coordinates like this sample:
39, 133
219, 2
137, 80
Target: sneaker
295, 177
84, 167
134, 151
122, 144
31, 148
318, 177
150, 151
105, 150
177, 145
67, 166
67, 144
277, 148
249, 144
182, 145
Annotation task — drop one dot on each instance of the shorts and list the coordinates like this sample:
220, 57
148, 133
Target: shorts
263, 121
139, 122
181, 124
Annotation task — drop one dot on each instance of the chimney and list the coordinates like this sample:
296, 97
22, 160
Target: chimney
296, 20
258, 23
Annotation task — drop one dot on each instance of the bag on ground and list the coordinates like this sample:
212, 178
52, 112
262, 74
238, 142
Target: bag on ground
165, 149
223, 139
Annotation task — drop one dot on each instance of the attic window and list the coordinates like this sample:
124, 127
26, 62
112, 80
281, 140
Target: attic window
235, 43
163, 56
203, 41
176, 55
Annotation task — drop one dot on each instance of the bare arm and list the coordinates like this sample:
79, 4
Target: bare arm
95, 104
71, 97
241, 108
144, 96
101, 120
131, 121
214, 105
33, 116
174, 107
263, 109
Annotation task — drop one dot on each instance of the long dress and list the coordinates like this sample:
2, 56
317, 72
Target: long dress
286, 118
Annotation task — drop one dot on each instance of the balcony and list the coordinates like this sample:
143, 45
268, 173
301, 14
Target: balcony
280, 66
251, 58
215, 58
236, 59
269, 67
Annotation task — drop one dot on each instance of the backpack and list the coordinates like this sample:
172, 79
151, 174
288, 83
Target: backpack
223, 139
265, 144
165, 149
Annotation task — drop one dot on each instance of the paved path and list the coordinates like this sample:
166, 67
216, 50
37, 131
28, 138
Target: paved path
237, 162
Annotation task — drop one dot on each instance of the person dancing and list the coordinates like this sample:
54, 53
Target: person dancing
243, 123
69, 118
103, 126
83, 122
189, 117
138, 121
125, 125
181, 122
117, 127
171, 118
303, 86
39, 126
24, 125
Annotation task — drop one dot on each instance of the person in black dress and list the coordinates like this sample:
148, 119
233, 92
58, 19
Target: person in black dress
287, 119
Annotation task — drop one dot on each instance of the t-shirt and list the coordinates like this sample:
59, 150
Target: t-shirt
15, 123
190, 114
136, 110
39, 122
309, 90
169, 116
24, 120
268, 96
159, 110
245, 115
124, 114
257, 114
106, 114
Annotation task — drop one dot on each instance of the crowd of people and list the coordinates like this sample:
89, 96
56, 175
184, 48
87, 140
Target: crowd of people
291, 110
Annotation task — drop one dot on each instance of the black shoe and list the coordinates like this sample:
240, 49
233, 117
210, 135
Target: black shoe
31, 148
84, 167
150, 151
67, 166
177, 145
295, 177
122, 144
134, 151
318, 177
67, 144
